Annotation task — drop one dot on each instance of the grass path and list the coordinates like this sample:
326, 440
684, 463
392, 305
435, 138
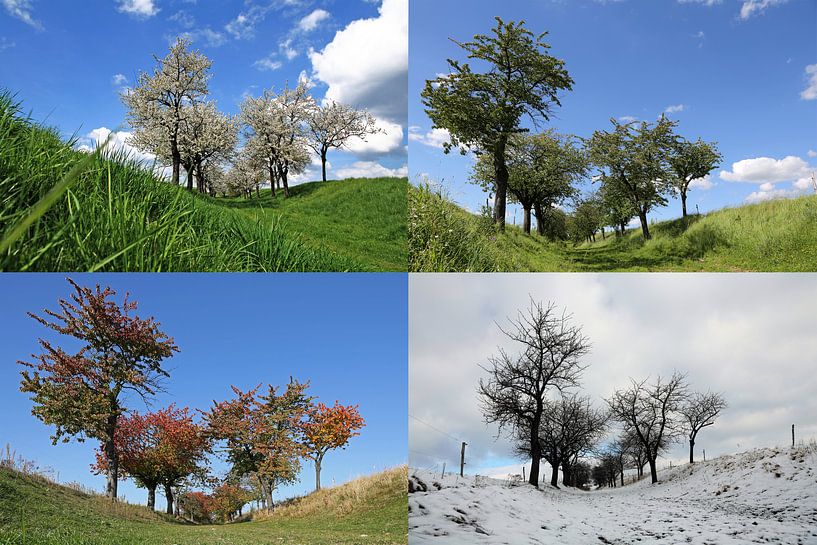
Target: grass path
779, 235
370, 510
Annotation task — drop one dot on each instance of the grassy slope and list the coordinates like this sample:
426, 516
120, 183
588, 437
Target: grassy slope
363, 220
779, 235
113, 215
34, 511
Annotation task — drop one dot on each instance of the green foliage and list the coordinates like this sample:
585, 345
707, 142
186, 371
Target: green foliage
634, 158
112, 214
481, 110
691, 160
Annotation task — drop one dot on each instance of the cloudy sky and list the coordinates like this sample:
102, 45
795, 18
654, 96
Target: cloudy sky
68, 61
749, 336
739, 72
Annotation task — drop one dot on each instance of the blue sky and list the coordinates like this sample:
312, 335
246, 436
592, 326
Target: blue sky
67, 61
344, 333
739, 72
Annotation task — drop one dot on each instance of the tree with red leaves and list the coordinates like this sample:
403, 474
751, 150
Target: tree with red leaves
329, 428
163, 447
197, 506
263, 434
81, 394
228, 501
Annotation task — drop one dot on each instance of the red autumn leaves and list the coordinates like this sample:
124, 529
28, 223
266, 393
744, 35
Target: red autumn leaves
264, 436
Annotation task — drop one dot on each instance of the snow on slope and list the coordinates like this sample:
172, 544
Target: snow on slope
761, 496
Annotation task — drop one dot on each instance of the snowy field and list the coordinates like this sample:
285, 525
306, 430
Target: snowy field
761, 496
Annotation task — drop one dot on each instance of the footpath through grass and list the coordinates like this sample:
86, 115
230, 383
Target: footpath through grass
370, 510
67, 210
362, 220
779, 235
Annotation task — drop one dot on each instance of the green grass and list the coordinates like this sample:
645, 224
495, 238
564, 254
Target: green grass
779, 235
362, 220
65, 210
370, 510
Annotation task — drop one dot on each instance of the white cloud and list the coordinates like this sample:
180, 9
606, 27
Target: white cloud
310, 22
268, 63
627, 119
119, 140
369, 169
752, 7
21, 9
704, 2
6, 44
767, 187
810, 92
703, 184
812, 153
675, 108
287, 50
766, 169
761, 196
366, 64
119, 79
388, 140
434, 138
138, 8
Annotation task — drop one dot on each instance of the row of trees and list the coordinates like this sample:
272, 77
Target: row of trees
531, 394
638, 164
272, 139
83, 394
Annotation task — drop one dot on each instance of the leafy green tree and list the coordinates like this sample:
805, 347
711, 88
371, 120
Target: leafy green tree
587, 219
541, 171
616, 208
482, 110
634, 159
689, 161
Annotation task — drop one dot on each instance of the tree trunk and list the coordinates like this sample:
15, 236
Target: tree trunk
691, 450
501, 176
112, 475
623, 228
318, 460
284, 172
540, 223
602, 234
169, 496
152, 497
526, 220
645, 229
189, 170
535, 452
554, 475
323, 164
684, 202
653, 471
271, 179
176, 161
200, 178
622, 477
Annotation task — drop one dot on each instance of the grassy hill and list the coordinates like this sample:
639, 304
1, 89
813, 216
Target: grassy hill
66, 210
369, 510
360, 220
779, 235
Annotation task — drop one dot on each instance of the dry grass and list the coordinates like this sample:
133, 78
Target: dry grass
359, 494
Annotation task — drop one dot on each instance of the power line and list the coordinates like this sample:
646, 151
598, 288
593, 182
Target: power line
435, 428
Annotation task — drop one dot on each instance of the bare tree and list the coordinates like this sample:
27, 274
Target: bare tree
636, 453
515, 394
156, 104
698, 412
651, 412
332, 125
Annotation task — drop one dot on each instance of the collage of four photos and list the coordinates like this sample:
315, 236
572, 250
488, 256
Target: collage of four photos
408, 272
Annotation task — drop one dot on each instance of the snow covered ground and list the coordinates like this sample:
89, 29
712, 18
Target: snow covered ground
761, 496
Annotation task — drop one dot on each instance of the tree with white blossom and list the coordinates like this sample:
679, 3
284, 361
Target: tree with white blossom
159, 103
333, 124
276, 132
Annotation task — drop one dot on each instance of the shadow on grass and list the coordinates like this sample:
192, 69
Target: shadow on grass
676, 227
266, 200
